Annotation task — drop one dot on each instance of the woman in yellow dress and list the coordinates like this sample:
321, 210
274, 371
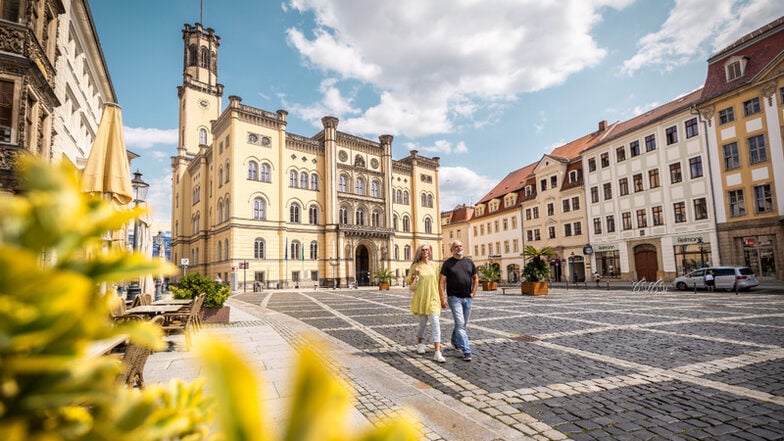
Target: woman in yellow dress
426, 303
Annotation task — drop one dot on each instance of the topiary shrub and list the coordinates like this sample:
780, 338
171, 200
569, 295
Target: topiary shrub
191, 285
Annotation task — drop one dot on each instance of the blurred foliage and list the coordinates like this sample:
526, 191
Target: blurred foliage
193, 284
52, 266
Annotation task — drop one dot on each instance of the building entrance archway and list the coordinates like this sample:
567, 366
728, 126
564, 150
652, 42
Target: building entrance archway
646, 262
362, 266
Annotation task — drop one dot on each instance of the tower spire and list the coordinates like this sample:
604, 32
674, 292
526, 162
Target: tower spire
201, 11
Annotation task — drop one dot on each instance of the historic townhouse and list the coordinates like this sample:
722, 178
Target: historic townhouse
496, 227
650, 206
53, 82
258, 205
553, 207
743, 105
455, 225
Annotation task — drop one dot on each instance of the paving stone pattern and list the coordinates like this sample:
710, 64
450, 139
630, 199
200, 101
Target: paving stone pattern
584, 365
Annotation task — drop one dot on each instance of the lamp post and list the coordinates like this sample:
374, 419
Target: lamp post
139, 194
702, 252
333, 261
158, 240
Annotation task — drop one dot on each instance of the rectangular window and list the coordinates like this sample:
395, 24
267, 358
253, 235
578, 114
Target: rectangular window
637, 182
737, 204
566, 206
671, 134
506, 246
757, 152
543, 184
620, 154
653, 178
642, 218
567, 230
675, 173
597, 225
731, 156
607, 191
605, 159
551, 232
733, 70
679, 208
6, 110
578, 229
529, 235
550, 209
482, 229
650, 143
553, 181
692, 129
623, 186
592, 164
527, 216
634, 148
751, 107
695, 167
536, 212
700, 209
726, 115
515, 246
611, 223
763, 198
514, 223
626, 218
506, 224
658, 215
537, 236
576, 203
594, 194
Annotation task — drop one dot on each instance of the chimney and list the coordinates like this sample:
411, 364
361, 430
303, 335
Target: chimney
603, 125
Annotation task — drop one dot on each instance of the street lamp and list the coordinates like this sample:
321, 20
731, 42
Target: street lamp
139, 194
333, 261
158, 240
702, 254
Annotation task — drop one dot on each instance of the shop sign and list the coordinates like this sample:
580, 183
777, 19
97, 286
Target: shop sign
748, 241
606, 247
690, 240
587, 250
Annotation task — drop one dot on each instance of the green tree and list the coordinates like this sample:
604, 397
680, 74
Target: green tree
193, 284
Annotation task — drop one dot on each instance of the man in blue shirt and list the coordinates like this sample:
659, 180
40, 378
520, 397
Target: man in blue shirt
459, 280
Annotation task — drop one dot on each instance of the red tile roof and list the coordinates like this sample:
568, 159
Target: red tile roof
514, 181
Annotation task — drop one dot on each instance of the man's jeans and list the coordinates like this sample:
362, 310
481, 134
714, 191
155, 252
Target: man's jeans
461, 312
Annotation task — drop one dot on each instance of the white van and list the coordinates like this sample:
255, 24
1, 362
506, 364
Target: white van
726, 278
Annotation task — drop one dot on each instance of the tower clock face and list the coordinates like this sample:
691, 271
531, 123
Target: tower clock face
204, 103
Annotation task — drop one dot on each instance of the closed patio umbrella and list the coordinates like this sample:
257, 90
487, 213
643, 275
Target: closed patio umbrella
107, 171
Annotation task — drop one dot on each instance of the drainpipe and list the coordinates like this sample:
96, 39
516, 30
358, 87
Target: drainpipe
693, 110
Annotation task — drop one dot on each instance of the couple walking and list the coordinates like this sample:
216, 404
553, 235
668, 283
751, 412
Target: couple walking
454, 286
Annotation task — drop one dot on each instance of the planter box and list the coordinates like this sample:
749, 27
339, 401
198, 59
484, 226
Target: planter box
215, 315
489, 286
534, 288
383, 286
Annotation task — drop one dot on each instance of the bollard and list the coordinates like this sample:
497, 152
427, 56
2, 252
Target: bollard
608, 286
695, 287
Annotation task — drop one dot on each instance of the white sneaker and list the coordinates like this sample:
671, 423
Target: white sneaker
438, 357
421, 348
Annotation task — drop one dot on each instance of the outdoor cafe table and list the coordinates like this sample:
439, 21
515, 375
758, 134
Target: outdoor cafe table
152, 310
101, 347
180, 302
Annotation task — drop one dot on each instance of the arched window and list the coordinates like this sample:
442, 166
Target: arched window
266, 173
407, 252
359, 187
228, 206
428, 225
293, 179
296, 250
375, 219
399, 196
314, 182
259, 209
424, 200
303, 180
406, 224
374, 189
406, 200
220, 210
397, 252
360, 217
258, 248
394, 223
226, 248
202, 136
228, 174
220, 246
193, 55
343, 183
205, 58
253, 171
430, 200
313, 215
313, 250
343, 215
220, 176
294, 213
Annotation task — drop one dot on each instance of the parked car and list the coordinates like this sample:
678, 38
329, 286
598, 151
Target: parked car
726, 277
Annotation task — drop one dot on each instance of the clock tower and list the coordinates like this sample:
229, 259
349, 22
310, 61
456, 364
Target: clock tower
200, 94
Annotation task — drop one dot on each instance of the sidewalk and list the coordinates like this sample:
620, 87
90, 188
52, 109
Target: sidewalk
269, 340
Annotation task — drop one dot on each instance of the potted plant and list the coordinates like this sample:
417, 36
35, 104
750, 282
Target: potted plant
384, 276
536, 271
216, 293
489, 274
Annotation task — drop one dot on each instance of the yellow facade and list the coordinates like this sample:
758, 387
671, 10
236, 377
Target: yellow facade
326, 210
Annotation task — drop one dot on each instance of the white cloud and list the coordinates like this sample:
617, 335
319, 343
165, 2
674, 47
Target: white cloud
143, 138
693, 25
642, 108
439, 148
460, 185
159, 198
437, 67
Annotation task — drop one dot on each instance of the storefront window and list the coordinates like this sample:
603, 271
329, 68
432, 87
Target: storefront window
608, 264
691, 257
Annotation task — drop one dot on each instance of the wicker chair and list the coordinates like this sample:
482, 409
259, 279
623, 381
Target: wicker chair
134, 360
188, 321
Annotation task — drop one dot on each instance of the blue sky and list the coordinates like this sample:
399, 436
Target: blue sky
486, 85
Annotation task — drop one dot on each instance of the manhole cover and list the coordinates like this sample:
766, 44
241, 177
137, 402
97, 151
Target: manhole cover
525, 338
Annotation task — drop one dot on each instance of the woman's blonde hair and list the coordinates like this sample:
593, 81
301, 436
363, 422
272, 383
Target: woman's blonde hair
418, 254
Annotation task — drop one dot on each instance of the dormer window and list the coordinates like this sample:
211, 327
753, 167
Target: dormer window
735, 67
528, 191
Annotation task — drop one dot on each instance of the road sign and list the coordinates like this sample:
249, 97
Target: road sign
184, 262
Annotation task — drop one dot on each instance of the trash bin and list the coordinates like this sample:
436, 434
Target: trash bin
133, 291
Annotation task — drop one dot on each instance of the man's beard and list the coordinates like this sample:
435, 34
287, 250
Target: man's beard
458, 253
